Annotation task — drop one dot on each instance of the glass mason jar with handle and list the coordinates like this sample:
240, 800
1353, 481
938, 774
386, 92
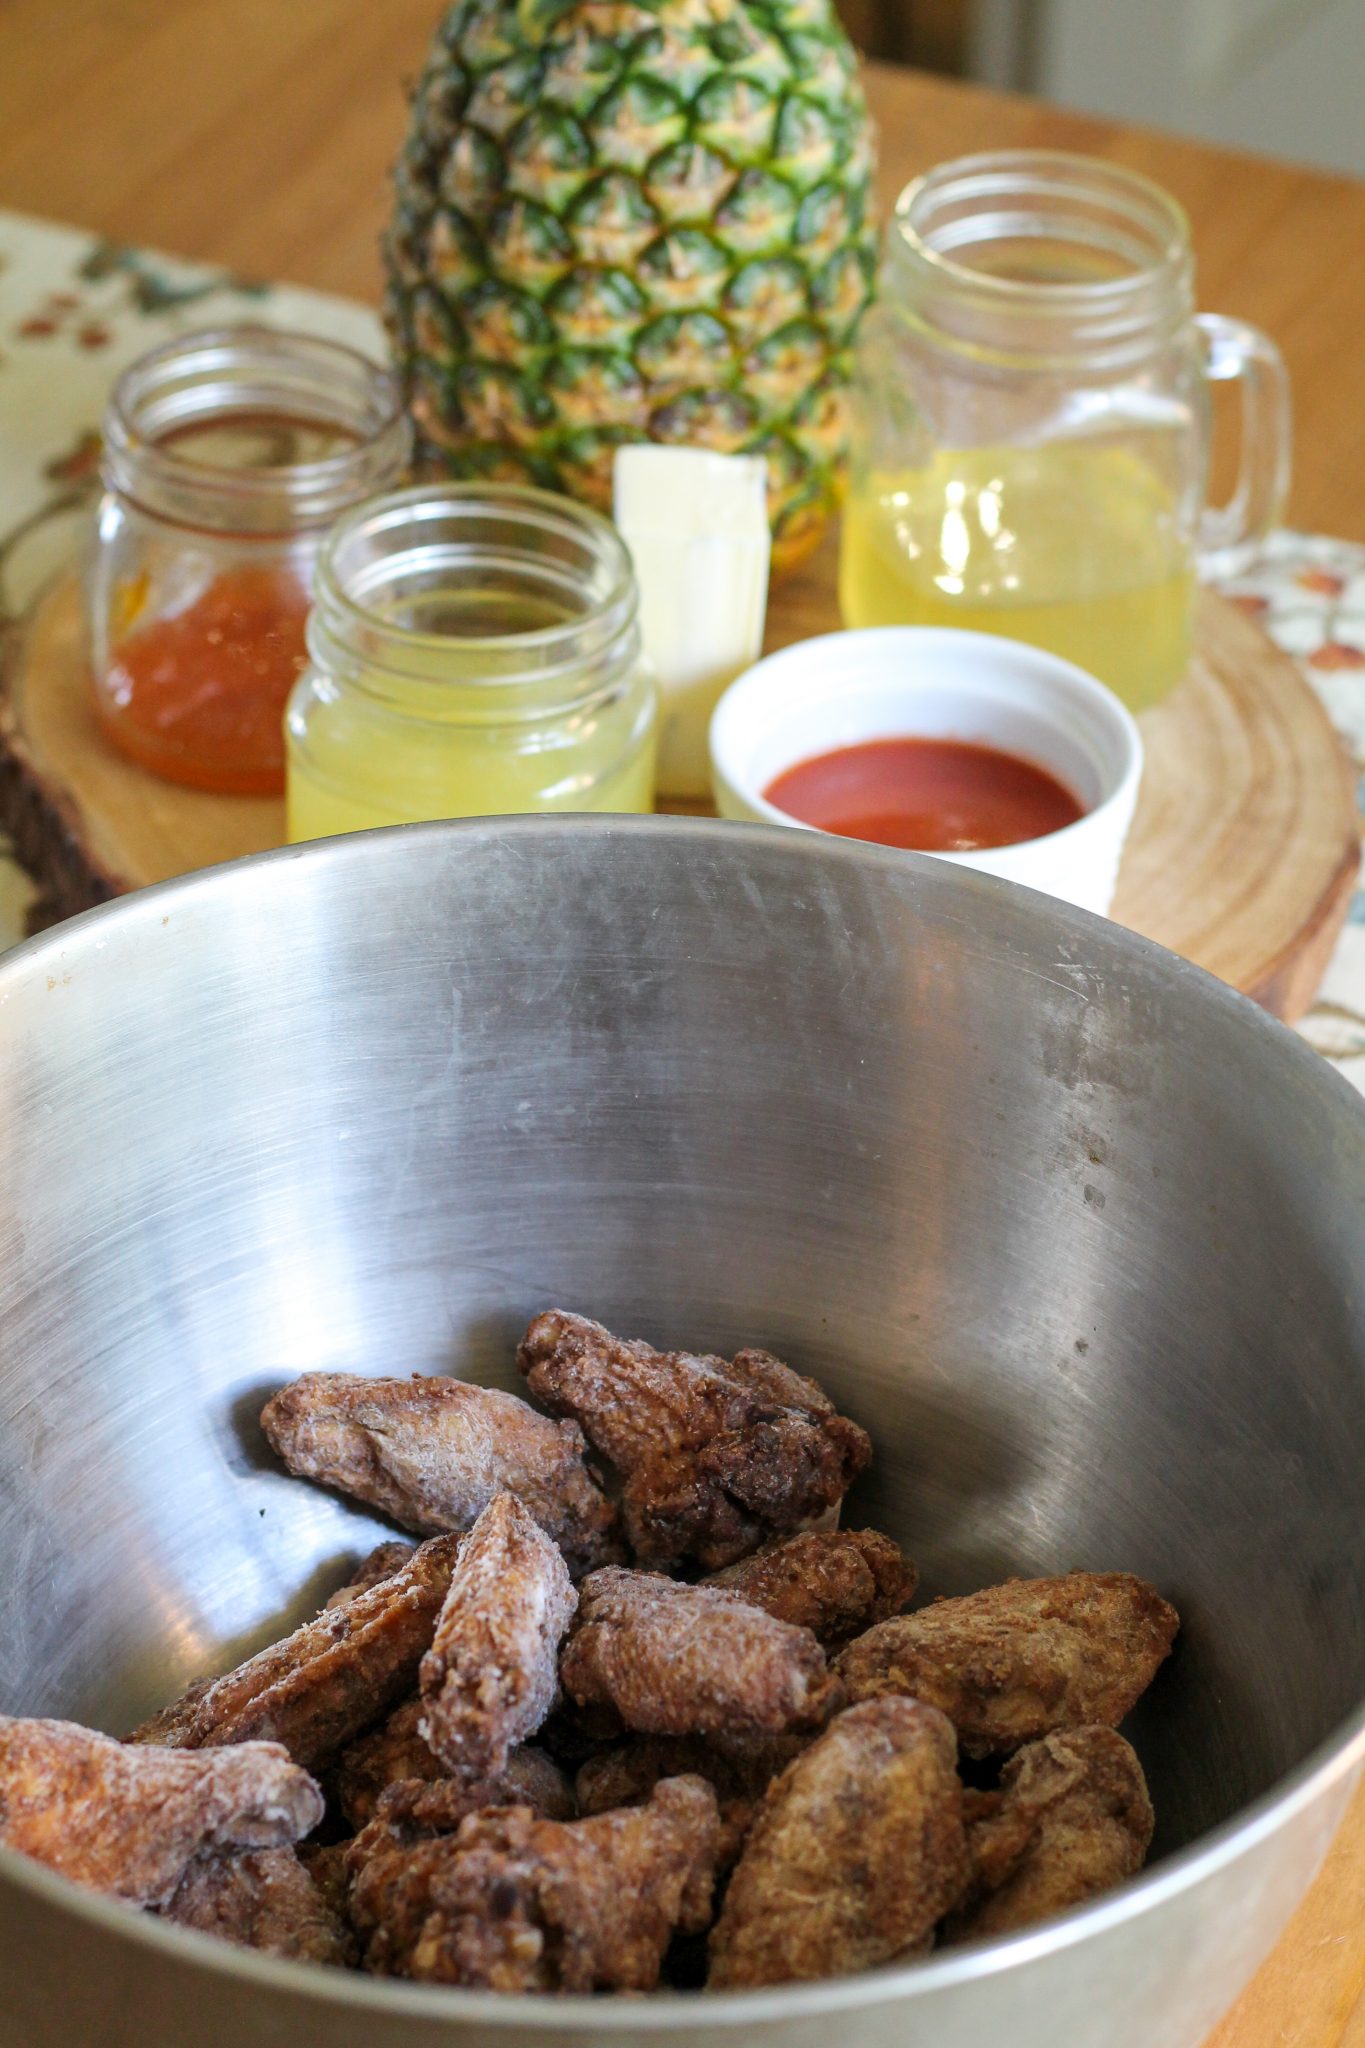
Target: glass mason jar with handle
1032, 417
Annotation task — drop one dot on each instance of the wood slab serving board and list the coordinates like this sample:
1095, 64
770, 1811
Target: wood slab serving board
1242, 856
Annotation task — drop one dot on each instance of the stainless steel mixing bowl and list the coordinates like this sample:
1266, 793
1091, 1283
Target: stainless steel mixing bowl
1077, 1234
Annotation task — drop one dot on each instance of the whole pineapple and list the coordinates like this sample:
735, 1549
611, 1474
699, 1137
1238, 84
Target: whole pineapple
624, 220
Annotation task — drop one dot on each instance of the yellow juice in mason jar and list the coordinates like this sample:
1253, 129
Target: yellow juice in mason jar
474, 651
1076, 549
485, 776
355, 763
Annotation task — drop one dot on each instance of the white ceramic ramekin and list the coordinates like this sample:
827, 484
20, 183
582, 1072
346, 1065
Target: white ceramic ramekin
932, 682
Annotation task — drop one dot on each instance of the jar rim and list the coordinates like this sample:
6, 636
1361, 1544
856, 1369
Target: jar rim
337, 384
567, 513
347, 631
991, 171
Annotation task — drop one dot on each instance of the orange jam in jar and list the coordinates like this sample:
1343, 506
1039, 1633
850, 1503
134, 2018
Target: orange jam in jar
228, 455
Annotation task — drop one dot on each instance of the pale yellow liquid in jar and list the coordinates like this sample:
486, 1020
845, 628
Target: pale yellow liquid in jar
1072, 548
353, 763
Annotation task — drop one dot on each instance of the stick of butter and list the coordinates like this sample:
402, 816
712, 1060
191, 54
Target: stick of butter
696, 525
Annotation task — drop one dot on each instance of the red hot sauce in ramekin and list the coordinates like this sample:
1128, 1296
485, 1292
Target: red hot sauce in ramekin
936, 796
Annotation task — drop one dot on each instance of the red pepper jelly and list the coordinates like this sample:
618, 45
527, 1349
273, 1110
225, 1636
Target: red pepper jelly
227, 457
198, 696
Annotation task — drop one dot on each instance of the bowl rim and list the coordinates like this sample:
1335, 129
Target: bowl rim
1339, 1755
1049, 670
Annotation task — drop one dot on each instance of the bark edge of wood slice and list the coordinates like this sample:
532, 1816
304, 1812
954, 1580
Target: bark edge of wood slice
1242, 857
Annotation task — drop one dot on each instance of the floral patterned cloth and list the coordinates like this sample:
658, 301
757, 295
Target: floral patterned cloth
74, 311
1308, 592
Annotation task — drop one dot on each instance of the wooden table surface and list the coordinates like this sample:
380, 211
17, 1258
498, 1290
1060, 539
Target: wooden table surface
258, 133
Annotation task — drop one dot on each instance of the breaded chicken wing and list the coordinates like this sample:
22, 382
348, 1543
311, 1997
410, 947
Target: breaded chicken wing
319, 1688
492, 1672
672, 1659
513, 1903
1071, 1819
531, 1778
626, 1775
409, 1811
432, 1452
130, 1821
325, 1863
715, 1456
382, 1562
263, 1899
835, 1582
397, 1753
857, 1851
393, 1752
1014, 1662
412, 1810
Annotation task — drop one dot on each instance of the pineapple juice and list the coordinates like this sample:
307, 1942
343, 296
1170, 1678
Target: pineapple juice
358, 758
1074, 548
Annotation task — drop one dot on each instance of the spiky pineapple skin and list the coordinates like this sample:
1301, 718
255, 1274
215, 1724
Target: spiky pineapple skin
625, 220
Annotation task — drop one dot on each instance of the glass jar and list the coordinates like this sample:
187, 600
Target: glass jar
227, 456
1032, 420
474, 650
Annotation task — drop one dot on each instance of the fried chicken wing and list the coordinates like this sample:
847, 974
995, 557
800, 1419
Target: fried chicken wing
317, 1690
383, 1561
325, 1863
857, 1851
432, 1452
491, 1674
572, 1733
835, 1582
1014, 1662
263, 1899
129, 1821
413, 1810
715, 1456
409, 1811
626, 1775
1071, 1819
531, 1778
397, 1753
388, 1755
513, 1903
691, 1660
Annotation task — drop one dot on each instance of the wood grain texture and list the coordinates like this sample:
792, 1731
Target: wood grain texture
259, 135
1246, 845
1241, 857
1311, 1992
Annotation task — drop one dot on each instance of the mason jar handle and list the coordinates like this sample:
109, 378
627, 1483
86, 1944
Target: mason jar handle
1231, 534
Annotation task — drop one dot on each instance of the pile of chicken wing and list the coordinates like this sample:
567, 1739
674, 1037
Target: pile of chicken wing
748, 1760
